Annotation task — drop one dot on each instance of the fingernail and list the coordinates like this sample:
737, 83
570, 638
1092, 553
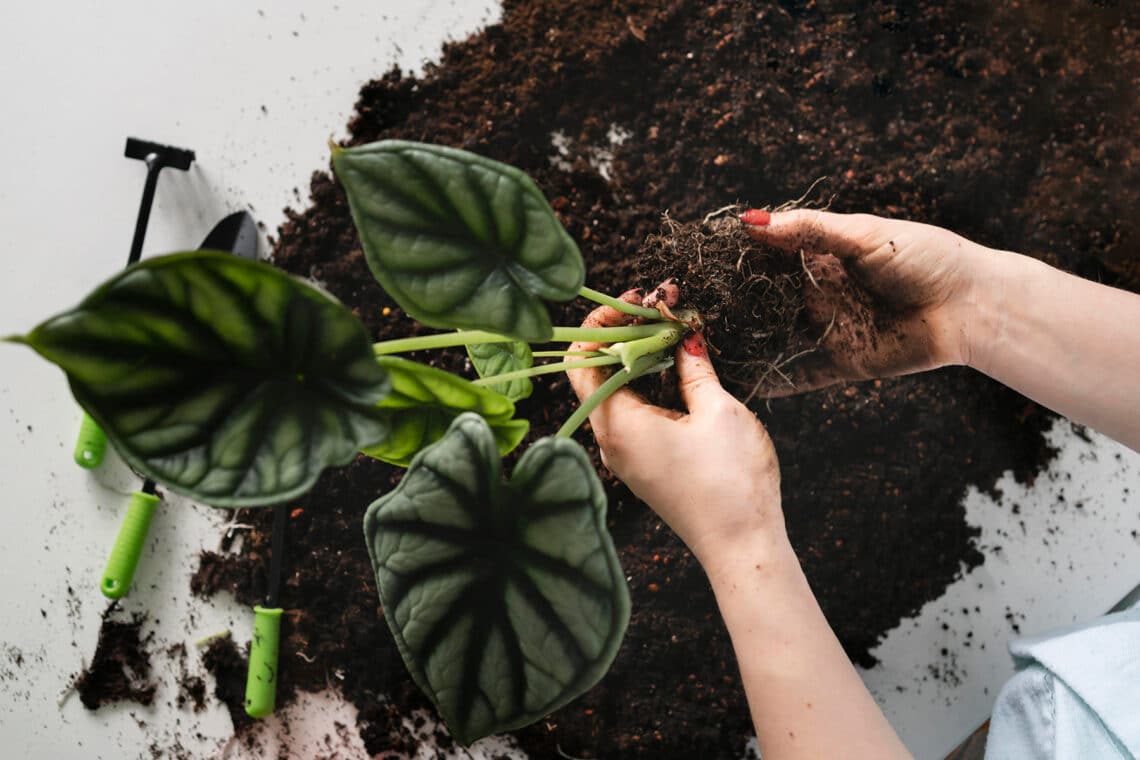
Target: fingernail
694, 345
757, 217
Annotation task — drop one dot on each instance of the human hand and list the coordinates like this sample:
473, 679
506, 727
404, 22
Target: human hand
710, 474
913, 311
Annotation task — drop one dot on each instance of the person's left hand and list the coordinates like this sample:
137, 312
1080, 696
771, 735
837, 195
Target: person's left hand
710, 474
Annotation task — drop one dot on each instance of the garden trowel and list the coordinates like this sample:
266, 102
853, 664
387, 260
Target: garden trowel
237, 234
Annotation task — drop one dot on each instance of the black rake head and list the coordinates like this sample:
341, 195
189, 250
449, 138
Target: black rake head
164, 155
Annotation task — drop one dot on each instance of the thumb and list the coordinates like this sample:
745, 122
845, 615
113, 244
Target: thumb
700, 388
846, 236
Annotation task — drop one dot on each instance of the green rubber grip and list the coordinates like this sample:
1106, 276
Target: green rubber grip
124, 557
91, 444
261, 680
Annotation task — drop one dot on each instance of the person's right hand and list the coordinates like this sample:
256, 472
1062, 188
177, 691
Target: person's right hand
711, 474
913, 311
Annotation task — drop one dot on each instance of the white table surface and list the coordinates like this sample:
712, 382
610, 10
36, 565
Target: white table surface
256, 89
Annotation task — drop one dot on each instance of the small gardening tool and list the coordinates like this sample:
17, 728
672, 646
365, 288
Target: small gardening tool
261, 679
236, 233
91, 444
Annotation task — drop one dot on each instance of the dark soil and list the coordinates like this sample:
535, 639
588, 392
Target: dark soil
120, 669
1013, 125
191, 687
228, 665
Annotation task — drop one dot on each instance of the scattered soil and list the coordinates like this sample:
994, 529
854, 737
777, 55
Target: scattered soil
191, 687
1012, 124
120, 669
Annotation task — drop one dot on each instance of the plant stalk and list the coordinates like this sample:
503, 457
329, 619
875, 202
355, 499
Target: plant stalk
561, 335
546, 369
564, 354
631, 351
627, 308
643, 366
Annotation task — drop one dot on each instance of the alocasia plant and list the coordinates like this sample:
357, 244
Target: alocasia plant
219, 377
506, 598
235, 384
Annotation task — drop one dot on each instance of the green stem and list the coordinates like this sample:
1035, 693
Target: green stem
563, 354
471, 337
628, 308
644, 366
606, 334
439, 340
547, 369
631, 351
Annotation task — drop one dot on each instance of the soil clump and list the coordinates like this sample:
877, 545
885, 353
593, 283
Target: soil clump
120, 669
749, 297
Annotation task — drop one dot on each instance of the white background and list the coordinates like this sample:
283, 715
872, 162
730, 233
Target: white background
256, 89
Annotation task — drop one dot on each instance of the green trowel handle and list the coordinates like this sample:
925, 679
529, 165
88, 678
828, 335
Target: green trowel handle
261, 680
128, 546
91, 444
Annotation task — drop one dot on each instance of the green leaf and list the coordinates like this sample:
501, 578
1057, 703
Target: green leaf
490, 359
506, 599
459, 240
222, 378
424, 401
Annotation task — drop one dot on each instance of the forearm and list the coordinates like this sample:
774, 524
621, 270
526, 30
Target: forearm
1070, 344
806, 699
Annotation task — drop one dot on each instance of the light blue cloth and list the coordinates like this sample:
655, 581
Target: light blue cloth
1076, 694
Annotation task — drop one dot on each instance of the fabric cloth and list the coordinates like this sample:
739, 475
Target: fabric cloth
1076, 694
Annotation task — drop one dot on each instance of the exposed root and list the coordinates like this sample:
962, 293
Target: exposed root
778, 365
732, 208
811, 277
803, 202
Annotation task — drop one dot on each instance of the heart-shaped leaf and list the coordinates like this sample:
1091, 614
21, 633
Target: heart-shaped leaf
506, 598
223, 379
423, 403
459, 240
490, 359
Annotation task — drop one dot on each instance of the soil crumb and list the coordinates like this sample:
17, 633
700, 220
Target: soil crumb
120, 669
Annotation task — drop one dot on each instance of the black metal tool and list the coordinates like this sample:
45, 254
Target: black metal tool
91, 444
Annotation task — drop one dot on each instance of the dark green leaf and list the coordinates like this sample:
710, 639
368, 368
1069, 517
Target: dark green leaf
423, 403
459, 240
506, 599
490, 359
221, 378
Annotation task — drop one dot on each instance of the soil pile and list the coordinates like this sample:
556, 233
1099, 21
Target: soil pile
1012, 125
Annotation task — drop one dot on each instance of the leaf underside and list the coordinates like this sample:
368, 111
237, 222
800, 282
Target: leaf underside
490, 359
506, 599
222, 378
459, 240
424, 401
